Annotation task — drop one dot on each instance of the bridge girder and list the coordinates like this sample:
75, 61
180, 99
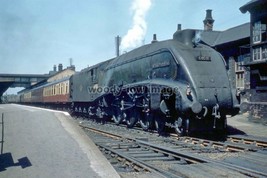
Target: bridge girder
19, 80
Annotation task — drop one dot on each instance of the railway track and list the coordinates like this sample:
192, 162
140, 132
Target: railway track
139, 153
253, 142
231, 144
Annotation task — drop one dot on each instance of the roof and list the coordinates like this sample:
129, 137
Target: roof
252, 4
210, 37
44, 84
214, 38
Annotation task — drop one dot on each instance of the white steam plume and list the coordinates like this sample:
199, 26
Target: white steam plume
136, 34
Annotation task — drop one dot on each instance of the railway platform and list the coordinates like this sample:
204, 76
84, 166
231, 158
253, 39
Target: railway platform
43, 143
240, 125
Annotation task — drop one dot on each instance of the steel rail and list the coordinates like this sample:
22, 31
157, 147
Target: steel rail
147, 166
195, 158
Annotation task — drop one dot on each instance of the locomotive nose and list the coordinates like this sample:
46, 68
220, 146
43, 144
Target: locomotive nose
196, 107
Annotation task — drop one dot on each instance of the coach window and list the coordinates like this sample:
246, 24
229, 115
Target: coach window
58, 89
61, 89
67, 87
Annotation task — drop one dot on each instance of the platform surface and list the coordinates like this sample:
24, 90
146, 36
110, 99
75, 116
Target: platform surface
240, 125
42, 143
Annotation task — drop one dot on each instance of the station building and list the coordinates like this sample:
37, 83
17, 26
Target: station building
256, 65
244, 48
234, 45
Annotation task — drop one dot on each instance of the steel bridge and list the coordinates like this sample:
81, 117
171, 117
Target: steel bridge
19, 80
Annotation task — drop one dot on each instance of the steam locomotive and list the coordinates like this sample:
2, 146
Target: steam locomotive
178, 83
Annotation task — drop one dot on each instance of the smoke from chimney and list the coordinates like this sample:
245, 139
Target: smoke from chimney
136, 34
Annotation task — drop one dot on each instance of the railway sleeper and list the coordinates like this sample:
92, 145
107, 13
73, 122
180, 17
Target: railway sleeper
148, 155
151, 159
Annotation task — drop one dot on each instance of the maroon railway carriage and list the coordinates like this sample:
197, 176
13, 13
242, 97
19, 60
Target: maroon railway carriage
57, 92
54, 93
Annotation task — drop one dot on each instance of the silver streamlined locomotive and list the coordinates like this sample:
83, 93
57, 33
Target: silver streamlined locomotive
176, 83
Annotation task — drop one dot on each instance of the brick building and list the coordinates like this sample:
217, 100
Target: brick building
234, 45
256, 65
244, 48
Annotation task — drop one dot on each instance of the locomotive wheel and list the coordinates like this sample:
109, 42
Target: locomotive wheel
187, 127
131, 119
145, 121
159, 124
118, 116
221, 126
179, 126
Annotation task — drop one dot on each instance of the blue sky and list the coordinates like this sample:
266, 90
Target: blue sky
36, 34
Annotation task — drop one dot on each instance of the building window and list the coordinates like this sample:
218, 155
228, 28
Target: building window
239, 65
257, 54
240, 80
256, 33
239, 72
264, 53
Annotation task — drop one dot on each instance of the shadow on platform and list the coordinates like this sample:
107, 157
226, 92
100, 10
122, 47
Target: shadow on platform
6, 161
235, 131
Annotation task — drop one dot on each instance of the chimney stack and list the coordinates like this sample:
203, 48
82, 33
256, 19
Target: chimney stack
117, 44
154, 38
185, 36
55, 68
60, 67
179, 27
208, 21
